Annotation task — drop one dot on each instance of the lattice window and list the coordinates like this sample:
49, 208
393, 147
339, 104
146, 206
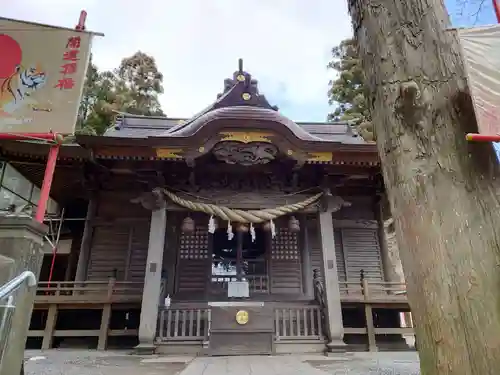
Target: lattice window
194, 245
285, 245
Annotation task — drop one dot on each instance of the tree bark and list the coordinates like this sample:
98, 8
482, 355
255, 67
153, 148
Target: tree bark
442, 190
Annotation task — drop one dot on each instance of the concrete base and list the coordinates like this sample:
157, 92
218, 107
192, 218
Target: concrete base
336, 346
21, 240
299, 347
7, 266
145, 349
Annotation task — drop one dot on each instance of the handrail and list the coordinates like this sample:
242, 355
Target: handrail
15, 283
6, 291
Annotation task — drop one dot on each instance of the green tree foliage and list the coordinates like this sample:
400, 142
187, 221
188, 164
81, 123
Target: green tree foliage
140, 75
133, 87
347, 92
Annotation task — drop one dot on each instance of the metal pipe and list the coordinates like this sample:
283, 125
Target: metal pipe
65, 219
496, 7
47, 182
54, 249
16, 282
482, 137
56, 137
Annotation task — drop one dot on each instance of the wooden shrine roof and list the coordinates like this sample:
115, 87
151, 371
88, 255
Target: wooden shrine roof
240, 116
134, 126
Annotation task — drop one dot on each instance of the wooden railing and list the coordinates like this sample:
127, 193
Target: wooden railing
89, 291
303, 322
191, 324
370, 291
184, 324
374, 294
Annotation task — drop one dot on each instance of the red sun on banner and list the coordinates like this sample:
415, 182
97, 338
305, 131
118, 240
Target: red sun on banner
10, 55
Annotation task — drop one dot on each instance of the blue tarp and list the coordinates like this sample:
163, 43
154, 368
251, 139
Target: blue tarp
496, 145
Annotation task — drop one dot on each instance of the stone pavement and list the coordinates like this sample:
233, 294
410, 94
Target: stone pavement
86, 362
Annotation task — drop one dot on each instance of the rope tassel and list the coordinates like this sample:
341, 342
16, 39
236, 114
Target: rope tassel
211, 225
230, 234
252, 232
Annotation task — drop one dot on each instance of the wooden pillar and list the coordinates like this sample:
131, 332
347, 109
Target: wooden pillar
239, 255
370, 327
72, 260
152, 280
85, 246
50, 325
307, 276
104, 329
171, 252
334, 322
384, 250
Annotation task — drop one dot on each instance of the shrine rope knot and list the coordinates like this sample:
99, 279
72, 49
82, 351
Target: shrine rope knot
241, 216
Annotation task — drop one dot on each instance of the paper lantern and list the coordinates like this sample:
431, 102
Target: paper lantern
188, 225
293, 224
242, 228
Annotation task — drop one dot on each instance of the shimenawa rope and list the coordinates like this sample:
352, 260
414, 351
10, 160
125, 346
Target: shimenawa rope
241, 216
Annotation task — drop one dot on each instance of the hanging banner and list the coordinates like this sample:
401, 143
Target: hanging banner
42, 73
481, 54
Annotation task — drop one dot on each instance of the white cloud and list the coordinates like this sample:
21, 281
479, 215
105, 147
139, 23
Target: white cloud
285, 44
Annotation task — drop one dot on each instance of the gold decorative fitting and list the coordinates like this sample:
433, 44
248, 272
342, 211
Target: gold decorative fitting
201, 149
242, 317
289, 152
168, 153
246, 137
246, 96
240, 78
320, 156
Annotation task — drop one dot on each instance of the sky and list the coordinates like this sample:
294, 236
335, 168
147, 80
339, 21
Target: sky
285, 44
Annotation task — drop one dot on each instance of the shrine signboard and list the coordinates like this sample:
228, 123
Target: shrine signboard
42, 73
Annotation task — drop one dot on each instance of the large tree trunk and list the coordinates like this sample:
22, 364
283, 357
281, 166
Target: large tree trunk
443, 191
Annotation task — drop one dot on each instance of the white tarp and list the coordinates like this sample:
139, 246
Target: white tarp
481, 53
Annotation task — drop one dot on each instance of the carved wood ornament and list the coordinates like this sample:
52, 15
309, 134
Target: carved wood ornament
245, 154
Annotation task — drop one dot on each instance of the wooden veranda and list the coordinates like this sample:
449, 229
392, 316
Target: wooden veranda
189, 322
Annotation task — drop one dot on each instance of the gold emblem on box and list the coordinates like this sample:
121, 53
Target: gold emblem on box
242, 317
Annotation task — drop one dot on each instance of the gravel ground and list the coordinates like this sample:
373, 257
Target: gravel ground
83, 362
86, 362
384, 363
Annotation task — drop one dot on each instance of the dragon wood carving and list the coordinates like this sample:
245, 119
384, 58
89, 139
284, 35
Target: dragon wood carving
245, 154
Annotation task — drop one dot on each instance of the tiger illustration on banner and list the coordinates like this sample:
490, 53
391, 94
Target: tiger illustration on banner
16, 90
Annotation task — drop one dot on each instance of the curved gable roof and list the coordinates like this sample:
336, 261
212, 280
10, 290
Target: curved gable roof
242, 102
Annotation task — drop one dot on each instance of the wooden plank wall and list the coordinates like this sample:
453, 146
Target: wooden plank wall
119, 240
121, 235
315, 247
286, 270
357, 244
193, 261
356, 236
